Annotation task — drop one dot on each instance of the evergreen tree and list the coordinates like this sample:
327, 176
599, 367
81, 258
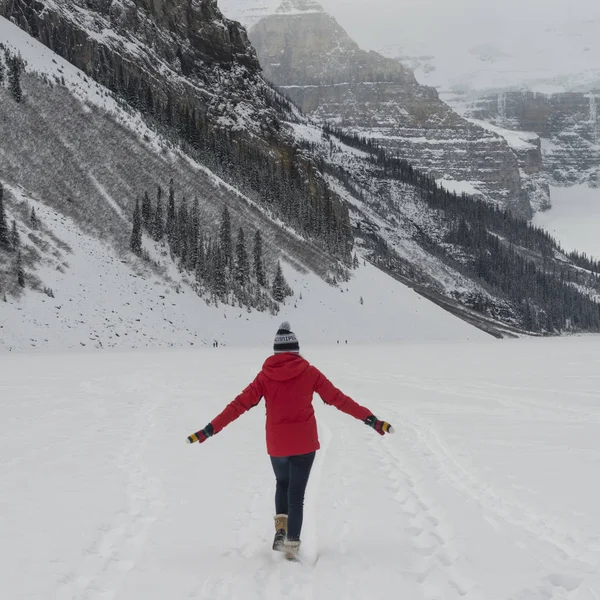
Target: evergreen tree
14, 78
200, 259
158, 227
242, 266
19, 270
4, 236
208, 263
149, 101
259, 271
193, 235
1, 71
136, 233
171, 218
33, 220
218, 274
15, 241
280, 287
225, 242
182, 237
147, 213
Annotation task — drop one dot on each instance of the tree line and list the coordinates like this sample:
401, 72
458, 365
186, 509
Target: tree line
285, 182
224, 268
10, 241
11, 73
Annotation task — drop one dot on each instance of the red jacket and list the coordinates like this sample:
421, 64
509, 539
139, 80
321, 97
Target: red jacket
287, 383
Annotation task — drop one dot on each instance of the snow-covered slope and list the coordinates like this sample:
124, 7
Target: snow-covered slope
43, 61
103, 301
488, 490
194, 75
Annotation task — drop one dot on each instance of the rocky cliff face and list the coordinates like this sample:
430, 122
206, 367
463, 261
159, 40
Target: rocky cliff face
566, 122
533, 176
177, 50
190, 32
311, 58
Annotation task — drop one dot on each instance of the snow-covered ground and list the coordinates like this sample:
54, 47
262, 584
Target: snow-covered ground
487, 491
574, 219
460, 187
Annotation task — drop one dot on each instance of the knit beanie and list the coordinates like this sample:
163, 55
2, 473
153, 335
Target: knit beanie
285, 340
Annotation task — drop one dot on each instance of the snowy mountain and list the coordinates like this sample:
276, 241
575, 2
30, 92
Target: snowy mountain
537, 60
539, 46
325, 203
84, 288
308, 55
194, 74
536, 74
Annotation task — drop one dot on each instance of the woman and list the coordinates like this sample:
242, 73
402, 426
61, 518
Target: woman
287, 382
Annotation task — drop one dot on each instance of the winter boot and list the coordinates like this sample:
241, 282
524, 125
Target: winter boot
280, 532
291, 548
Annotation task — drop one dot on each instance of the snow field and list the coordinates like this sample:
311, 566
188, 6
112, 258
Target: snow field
486, 491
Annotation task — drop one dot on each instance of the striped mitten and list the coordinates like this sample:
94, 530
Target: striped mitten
381, 427
202, 435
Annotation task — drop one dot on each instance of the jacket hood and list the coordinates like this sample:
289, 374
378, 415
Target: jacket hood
284, 366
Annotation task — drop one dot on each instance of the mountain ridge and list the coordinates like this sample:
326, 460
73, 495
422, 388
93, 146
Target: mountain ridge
311, 58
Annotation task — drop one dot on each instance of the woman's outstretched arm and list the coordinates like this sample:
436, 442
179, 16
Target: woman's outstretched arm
249, 398
335, 397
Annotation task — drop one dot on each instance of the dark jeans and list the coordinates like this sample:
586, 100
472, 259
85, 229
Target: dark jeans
292, 474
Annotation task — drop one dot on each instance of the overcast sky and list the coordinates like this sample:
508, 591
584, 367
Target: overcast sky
474, 44
415, 22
